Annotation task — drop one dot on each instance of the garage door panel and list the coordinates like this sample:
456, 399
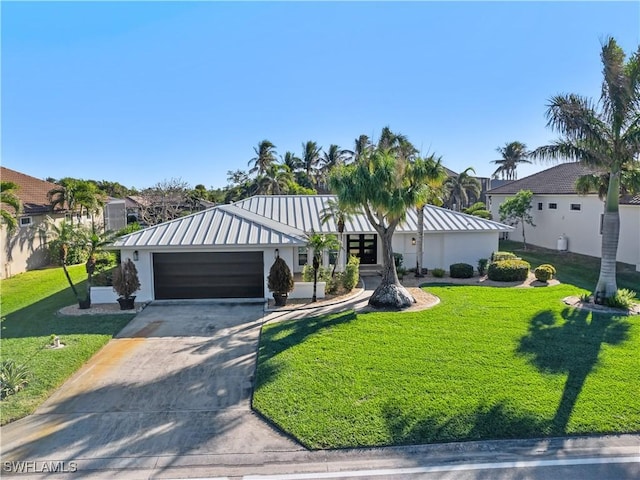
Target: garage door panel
208, 275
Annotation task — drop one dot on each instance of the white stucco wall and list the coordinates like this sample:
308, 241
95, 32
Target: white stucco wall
443, 249
582, 228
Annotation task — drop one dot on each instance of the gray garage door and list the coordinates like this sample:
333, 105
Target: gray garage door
208, 275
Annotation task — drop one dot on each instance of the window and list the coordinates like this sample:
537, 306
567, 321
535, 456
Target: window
576, 207
539, 205
302, 256
553, 206
25, 221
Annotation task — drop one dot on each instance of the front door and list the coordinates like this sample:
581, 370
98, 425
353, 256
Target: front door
365, 247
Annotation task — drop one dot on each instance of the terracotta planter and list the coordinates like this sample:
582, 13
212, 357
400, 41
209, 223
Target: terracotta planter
127, 303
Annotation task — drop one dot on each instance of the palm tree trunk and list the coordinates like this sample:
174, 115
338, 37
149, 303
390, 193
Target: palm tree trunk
420, 243
607, 286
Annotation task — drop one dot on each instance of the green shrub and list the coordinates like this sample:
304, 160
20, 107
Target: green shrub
351, 273
545, 272
77, 253
461, 270
623, 298
130, 228
499, 256
438, 272
482, 266
13, 378
509, 270
280, 279
324, 273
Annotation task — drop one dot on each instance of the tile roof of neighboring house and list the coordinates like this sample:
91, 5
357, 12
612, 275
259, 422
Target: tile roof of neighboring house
557, 180
283, 220
32, 191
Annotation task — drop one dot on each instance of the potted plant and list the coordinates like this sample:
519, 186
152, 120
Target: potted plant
125, 283
280, 281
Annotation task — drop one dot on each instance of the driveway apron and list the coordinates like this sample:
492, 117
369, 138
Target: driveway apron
176, 381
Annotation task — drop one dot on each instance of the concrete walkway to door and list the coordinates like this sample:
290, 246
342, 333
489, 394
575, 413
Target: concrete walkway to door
175, 383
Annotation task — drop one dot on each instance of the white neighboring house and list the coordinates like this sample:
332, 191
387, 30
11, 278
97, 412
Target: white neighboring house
227, 251
560, 214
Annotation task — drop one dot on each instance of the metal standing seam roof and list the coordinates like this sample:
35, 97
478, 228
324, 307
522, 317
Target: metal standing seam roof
284, 220
303, 212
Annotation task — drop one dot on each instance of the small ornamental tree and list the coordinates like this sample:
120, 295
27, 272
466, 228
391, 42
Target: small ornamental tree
280, 281
515, 210
125, 279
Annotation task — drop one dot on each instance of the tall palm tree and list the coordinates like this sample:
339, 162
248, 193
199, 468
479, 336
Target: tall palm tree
513, 154
275, 181
9, 197
290, 160
432, 171
361, 145
64, 196
310, 158
330, 159
459, 187
340, 214
605, 137
88, 197
265, 156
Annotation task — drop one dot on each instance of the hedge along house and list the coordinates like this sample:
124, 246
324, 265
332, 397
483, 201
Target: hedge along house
227, 251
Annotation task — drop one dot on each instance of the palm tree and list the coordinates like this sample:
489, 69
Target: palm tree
605, 137
64, 196
275, 181
67, 236
434, 175
340, 214
310, 158
513, 154
320, 242
88, 196
291, 161
9, 197
362, 144
265, 156
331, 158
384, 187
459, 187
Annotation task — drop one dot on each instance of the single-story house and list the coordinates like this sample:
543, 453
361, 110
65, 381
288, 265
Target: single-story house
565, 220
227, 251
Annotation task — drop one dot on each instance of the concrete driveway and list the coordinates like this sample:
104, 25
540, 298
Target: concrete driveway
175, 383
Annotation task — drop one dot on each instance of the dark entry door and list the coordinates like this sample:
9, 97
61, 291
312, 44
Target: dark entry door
365, 247
208, 275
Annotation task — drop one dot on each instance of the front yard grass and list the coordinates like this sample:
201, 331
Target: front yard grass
486, 363
573, 268
29, 305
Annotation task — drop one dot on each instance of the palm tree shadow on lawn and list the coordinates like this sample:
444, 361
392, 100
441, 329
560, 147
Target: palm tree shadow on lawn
570, 347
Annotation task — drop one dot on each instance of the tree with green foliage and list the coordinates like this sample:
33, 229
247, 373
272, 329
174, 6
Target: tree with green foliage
605, 136
9, 197
340, 214
515, 211
478, 209
460, 187
384, 187
311, 159
319, 243
265, 156
513, 154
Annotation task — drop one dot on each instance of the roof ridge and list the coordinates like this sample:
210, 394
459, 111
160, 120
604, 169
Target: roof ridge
234, 209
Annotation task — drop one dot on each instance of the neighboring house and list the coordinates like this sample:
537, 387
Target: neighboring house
26, 247
568, 221
227, 251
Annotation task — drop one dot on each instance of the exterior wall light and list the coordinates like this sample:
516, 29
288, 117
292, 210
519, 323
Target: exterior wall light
413, 240
135, 255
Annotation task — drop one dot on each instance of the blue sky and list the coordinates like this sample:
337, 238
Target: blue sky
142, 92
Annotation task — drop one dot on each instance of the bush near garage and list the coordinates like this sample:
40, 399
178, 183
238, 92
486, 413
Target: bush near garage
461, 270
509, 270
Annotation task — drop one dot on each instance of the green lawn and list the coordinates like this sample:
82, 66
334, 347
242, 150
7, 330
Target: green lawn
573, 268
29, 305
486, 363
